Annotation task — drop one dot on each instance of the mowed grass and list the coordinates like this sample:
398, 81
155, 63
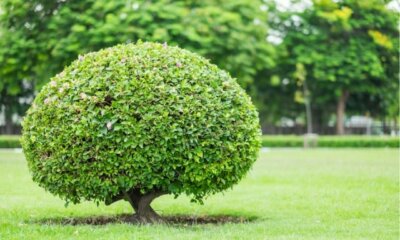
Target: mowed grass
290, 194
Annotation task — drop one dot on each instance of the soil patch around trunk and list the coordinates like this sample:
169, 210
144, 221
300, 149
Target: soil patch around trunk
185, 220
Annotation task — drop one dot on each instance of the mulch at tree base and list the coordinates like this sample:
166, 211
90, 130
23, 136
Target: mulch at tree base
128, 218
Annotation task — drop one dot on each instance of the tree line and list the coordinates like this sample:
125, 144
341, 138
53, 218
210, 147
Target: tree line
316, 62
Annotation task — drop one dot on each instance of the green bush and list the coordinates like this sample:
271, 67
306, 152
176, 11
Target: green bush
10, 141
332, 141
281, 141
138, 121
358, 141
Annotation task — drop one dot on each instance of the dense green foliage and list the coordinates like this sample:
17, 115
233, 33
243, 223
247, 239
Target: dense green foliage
145, 116
38, 38
346, 52
332, 141
339, 55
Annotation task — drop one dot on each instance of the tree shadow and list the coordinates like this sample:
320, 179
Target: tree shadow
182, 220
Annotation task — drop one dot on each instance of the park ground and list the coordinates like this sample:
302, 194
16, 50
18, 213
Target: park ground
289, 194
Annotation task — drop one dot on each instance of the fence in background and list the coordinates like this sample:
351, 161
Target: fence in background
301, 130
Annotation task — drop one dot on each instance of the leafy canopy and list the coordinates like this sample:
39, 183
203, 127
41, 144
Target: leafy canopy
345, 45
41, 37
145, 116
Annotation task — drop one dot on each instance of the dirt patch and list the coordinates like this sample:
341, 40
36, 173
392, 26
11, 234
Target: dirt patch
128, 218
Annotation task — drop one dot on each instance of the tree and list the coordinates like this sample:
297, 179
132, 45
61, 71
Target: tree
14, 65
135, 122
348, 50
41, 37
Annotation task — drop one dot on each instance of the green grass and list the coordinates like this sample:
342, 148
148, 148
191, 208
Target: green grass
292, 193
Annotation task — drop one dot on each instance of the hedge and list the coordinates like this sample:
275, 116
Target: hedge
12, 141
332, 141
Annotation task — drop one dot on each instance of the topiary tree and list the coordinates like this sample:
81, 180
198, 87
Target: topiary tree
135, 122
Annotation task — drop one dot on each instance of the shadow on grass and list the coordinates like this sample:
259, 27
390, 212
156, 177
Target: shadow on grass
185, 220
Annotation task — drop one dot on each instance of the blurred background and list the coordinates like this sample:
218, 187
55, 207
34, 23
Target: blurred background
329, 67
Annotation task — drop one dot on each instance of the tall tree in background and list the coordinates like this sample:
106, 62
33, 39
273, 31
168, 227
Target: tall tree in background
349, 50
39, 37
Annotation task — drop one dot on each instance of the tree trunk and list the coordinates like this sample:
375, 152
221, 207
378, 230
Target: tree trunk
307, 104
309, 119
144, 213
340, 111
8, 119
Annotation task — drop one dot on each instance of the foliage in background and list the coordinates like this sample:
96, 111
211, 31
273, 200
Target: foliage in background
348, 48
332, 141
143, 118
40, 37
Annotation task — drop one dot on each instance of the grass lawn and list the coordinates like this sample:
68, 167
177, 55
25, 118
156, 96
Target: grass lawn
289, 194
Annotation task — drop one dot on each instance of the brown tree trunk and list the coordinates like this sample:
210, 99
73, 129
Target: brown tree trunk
144, 213
340, 111
8, 119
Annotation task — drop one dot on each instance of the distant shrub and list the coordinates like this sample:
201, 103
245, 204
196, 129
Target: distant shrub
137, 121
10, 141
332, 141
359, 141
282, 141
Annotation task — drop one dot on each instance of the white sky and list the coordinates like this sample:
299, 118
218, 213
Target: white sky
286, 4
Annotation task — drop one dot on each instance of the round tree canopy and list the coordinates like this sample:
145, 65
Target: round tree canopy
144, 117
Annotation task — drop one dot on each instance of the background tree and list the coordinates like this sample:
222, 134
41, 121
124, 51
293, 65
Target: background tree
41, 37
15, 75
348, 50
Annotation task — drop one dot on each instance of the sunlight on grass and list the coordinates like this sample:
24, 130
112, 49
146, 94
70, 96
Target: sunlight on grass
290, 194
